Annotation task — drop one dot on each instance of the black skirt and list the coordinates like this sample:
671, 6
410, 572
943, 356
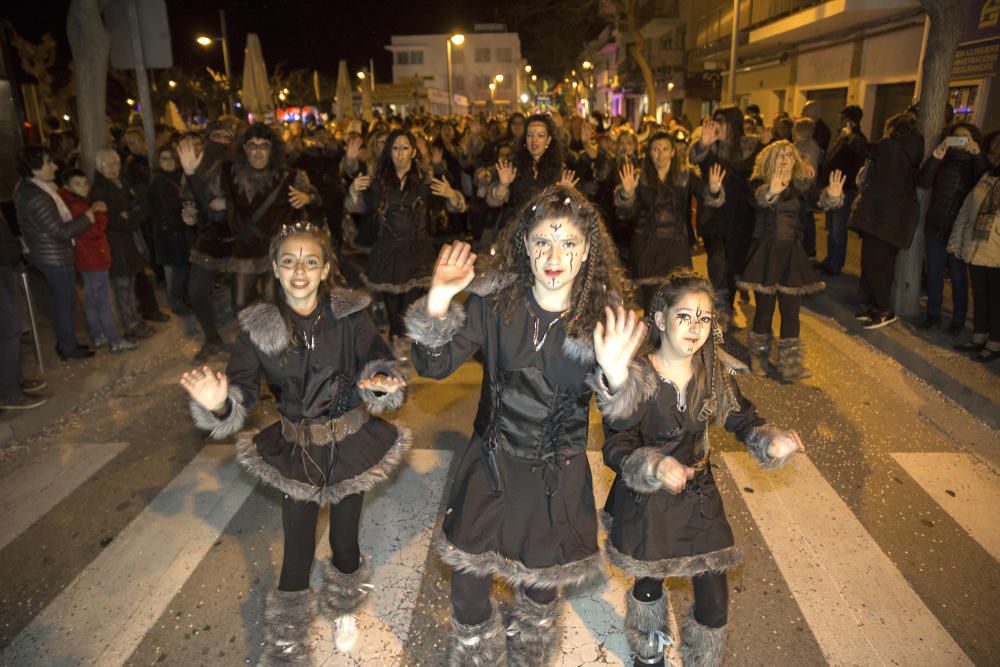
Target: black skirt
399, 262
653, 258
779, 265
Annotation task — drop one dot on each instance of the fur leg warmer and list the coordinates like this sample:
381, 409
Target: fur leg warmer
701, 646
534, 631
344, 593
791, 360
483, 645
287, 617
760, 351
646, 628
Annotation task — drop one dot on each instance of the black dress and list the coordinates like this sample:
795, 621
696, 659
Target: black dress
521, 505
329, 442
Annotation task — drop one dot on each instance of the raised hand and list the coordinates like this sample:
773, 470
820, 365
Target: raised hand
629, 176
616, 341
972, 147
836, 186
940, 150
569, 178
453, 271
673, 474
360, 184
709, 132
715, 177
384, 384
442, 188
779, 181
506, 171
353, 150
785, 443
437, 154
207, 387
297, 198
189, 156
586, 133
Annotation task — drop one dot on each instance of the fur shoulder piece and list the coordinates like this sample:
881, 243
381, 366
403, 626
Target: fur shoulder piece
489, 282
263, 323
345, 301
622, 406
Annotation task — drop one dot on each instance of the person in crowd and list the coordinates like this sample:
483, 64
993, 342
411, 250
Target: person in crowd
845, 155
821, 133
49, 228
665, 513
777, 268
621, 221
171, 236
975, 238
16, 392
93, 259
658, 198
726, 230
806, 145
781, 128
521, 506
886, 213
128, 249
398, 195
320, 158
332, 377
950, 173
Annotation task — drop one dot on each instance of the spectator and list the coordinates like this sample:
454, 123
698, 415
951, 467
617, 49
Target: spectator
805, 143
949, 173
170, 234
822, 132
886, 213
48, 229
93, 259
844, 156
16, 393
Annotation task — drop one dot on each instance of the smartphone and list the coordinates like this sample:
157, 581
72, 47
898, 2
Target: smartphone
956, 141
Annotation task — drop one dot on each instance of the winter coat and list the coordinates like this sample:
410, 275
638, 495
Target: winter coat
48, 238
886, 207
170, 234
981, 252
949, 181
734, 219
845, 154
10, 247
123, 232
92, 250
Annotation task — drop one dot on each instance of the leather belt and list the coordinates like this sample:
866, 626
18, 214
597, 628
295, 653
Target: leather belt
329, 432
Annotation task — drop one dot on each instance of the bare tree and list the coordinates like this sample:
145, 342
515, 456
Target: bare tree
90, 43
944, 32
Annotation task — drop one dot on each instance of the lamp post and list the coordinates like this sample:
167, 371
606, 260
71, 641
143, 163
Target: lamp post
457, 40
207, 41
493, 90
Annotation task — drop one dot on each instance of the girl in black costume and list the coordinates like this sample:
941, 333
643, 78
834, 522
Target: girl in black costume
664, 513
521, 506
331, 375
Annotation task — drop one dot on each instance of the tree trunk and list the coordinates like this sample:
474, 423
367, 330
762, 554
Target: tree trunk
636, 49
90, 43
942, 42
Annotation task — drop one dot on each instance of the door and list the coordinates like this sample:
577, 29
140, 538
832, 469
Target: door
831, 101
890, 99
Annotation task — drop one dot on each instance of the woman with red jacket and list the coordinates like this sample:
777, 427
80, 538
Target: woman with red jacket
93, 259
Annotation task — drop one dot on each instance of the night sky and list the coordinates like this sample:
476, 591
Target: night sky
308, 34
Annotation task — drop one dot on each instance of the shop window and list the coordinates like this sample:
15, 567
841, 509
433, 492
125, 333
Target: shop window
482, 55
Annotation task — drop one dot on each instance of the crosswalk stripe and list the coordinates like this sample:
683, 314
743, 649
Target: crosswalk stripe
104, 613
964, 488
32, 490
858, 605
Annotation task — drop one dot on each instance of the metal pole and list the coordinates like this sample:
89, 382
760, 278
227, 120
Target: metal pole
450, 94
920, 62
34, 324
225, 60
145, 99
732, 52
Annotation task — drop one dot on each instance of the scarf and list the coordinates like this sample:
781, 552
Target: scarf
50, 190
988, 212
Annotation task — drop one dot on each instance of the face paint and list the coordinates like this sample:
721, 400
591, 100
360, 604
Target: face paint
557, 250
687, 325
300, 268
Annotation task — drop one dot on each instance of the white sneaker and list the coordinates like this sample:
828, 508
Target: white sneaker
345, 632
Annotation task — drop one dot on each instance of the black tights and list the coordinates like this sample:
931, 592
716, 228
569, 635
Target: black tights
201, 285
470, 597
247, 288
711, 597
299, 521
788, 304
395, 309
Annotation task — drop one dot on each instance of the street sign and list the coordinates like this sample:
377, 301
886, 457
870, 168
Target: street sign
154, 31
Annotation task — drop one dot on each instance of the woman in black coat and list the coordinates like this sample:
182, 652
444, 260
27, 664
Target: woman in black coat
950, 173
886, 212
171, 237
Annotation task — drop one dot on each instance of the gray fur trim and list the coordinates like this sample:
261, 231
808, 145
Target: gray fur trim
397, 288
221, 428
640, 386
732, 364
639, 470
791, 360
714, 562
645, 624
375, 402
534, 631
580, 350
489, 282
345, 301
287, 617
344, 593
247, 456
267, 331
483, 645
759, 440
515, 572
701, 646
759, 342
826, 202
714, 199
771, 289
431, 331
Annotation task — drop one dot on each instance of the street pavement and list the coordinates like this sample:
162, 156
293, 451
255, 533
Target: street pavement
127, 538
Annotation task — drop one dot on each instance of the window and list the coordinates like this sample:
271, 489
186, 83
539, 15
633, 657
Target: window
505, 55
667, 42
482, 55
416, 57
402, 57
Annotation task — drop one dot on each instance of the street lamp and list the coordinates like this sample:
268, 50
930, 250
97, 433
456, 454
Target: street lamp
361, 75
493, 91
204, 40
527, 69
172, 83
587, 64
457, 39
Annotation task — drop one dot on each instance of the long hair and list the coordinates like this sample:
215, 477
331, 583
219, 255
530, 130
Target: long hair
550, 165
385, 172
679, 168
709, 393
732, 118
600, 275
262, 131
767, 160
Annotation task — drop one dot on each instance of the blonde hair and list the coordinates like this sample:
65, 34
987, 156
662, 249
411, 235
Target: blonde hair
763, 166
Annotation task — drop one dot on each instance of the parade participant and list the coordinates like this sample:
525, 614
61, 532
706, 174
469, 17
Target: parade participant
521, 505
397, 196
331, 376
659, 198
664, 513
170, 235
626, 151
777, 267
726, 230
